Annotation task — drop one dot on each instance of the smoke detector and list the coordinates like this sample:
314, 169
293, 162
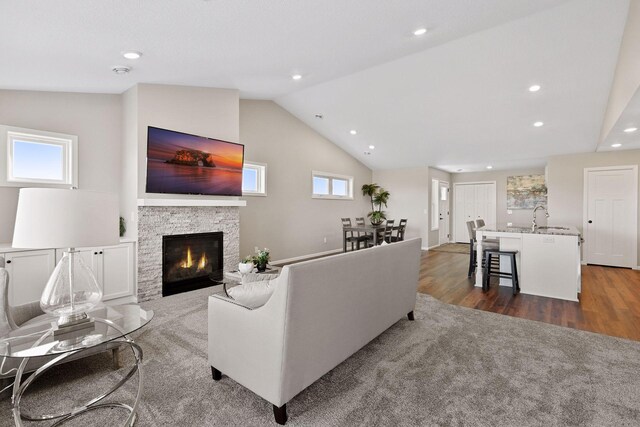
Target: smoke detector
120, 69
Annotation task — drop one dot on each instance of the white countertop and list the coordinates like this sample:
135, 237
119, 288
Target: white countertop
556, 230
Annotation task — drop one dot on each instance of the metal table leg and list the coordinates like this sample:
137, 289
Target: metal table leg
20, 387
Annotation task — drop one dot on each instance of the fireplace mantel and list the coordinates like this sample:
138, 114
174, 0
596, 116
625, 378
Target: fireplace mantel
191, 202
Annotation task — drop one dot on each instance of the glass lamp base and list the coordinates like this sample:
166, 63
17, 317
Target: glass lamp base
71, 291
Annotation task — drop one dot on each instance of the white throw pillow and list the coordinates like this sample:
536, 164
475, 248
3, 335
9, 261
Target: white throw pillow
253, 294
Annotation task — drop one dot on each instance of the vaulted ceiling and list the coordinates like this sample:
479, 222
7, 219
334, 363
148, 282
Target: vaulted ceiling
455, 97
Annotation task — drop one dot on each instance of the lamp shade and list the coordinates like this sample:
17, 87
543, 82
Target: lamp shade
57, 218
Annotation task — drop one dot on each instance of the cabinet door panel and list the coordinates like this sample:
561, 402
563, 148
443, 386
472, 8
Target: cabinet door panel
117, 271
29, 272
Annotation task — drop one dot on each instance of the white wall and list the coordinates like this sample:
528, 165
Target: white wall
95, 118
566, 182
409, 198
518, 216
288, 221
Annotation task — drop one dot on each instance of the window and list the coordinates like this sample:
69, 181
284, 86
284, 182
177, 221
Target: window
331, 186
254, 179
435, 207
34, 158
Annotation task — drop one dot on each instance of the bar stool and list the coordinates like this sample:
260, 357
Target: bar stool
488, 272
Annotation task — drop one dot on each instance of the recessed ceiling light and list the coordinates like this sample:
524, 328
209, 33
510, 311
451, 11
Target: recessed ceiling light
296, 76
120, 69
131, 54
616, 145
372, 147
489, 167
629, 130
420, 31
538, 124
534, 88
353, 131
319, 116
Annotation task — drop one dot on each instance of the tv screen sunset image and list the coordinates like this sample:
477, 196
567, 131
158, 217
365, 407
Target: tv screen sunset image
188, 164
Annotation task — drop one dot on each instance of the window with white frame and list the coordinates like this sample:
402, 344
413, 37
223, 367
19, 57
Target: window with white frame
254, 179
331, 186
37, 158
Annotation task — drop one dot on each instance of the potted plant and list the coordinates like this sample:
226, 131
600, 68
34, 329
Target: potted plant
261, 258
246, 265
379, 196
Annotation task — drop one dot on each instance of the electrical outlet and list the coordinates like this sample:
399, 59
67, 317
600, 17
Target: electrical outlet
509, 212
509, 224
325, 240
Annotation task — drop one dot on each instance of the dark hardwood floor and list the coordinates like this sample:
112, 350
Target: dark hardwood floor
609, 302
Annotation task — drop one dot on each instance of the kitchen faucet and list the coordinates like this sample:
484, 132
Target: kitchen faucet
534, 225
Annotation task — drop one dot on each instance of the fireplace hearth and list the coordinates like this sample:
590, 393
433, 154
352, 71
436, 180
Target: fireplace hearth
191, 261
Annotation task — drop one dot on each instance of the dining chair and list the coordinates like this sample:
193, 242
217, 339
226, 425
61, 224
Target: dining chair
399, 235
350, 237
388, 230
364, 236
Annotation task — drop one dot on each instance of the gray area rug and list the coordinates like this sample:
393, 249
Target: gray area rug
451, 367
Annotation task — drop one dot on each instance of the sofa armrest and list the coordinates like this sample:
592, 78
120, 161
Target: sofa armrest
246, 344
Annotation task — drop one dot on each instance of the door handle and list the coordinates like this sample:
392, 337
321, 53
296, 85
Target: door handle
8, 261
590, 222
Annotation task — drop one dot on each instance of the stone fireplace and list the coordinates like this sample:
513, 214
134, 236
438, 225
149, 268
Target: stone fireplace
155, 222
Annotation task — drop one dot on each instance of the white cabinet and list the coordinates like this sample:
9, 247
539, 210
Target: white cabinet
473, 201
113, 267
29, 272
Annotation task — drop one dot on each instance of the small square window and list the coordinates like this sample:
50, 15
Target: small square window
254, 179
340, 187
34, 158
331, 186
320, 186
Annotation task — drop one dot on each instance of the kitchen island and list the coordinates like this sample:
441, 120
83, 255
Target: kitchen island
548, 260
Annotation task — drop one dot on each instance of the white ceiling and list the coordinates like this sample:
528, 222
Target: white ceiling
453, 98
466, 104
628, 119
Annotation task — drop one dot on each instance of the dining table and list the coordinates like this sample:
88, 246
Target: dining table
367, 228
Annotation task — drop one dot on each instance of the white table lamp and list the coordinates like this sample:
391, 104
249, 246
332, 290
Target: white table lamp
57, 218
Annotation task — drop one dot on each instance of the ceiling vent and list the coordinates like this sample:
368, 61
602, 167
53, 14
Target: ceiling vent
121, 69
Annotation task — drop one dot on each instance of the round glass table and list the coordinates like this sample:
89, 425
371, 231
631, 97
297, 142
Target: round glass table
36, 340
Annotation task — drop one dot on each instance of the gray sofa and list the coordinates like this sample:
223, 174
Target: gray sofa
321, 312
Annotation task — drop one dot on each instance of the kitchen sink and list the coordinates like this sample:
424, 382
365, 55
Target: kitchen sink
552, 228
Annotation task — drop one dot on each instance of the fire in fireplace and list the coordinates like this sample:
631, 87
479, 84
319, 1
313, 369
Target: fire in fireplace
190, 261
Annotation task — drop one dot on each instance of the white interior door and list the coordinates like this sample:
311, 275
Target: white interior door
473, 201
443, 212
611, 216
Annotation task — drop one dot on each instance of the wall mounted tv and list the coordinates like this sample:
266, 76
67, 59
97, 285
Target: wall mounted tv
180, 163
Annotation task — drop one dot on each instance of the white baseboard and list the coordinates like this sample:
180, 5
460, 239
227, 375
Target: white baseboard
303, 257
431, 247
637, 267
424, 248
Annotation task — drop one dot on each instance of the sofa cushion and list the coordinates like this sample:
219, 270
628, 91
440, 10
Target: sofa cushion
253, 294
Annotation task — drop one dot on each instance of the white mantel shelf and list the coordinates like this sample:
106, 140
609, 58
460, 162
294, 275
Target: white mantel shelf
191, 202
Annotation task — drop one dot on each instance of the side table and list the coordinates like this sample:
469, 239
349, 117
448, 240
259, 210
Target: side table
113, 324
